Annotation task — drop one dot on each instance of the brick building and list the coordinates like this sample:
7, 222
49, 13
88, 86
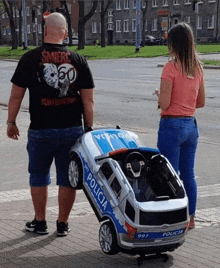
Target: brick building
34, 15
120, 19
160, 16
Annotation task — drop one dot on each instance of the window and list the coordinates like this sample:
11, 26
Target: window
110, 19
129, 211
165, 3
154, 25
110, 26
28, 11
116, 187
164, 23
154, 3
94, 28
134, 25
17, 13
187, 2
126, 25
126, 4
39, 10
39, 29
118, 26
29, 29
34, 28
118, 4
69, 6
4, 30
187, 19
100, 6
143, 3
3, 15
211, 22
134, 4
199, 22
146, 26
176, 2
110, 13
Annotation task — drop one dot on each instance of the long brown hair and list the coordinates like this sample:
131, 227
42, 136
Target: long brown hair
182, 47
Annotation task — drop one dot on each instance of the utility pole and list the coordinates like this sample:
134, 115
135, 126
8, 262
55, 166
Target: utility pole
138, 32
24, 24
217, 23
196, 11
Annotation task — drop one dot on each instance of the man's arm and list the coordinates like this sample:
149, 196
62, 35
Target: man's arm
88, 107
14, 104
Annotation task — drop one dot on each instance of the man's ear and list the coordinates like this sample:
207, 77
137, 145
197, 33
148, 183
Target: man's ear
65, 34
45, 30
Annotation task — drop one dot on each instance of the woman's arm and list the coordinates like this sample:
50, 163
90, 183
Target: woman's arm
165, 94
201, 97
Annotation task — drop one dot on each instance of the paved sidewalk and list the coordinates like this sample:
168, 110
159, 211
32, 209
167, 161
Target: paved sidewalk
213, 56
80, 248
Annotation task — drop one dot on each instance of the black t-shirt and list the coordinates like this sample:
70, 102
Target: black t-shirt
54, 76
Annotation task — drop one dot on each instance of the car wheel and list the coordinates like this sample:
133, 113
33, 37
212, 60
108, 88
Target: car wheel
75, 172
107, 238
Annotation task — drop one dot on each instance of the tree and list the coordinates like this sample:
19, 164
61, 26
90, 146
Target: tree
8, 5
144, 19
46, 7
102, 18
83, 19
67, 14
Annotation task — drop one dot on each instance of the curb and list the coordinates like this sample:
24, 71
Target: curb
204, 66
158, 65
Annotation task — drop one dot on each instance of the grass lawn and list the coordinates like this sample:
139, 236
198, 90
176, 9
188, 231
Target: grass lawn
116, 52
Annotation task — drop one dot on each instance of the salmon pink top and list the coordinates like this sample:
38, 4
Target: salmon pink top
184, 90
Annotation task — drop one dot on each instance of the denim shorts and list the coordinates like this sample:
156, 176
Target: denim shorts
46, 145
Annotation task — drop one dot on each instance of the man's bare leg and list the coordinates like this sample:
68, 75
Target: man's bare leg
39, 198
66, 200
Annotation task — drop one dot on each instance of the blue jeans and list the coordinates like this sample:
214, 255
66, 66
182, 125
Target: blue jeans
46, 145
177, 141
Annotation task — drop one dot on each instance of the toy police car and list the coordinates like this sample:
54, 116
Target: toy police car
133, 190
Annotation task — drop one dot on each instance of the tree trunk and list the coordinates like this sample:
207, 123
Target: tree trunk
20, 28
82, 21
102, 19
9, 10
102, 15
68, 19
81, 26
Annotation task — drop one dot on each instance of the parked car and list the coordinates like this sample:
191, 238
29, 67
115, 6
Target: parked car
90, 42
151, 40
74, 40
133, 190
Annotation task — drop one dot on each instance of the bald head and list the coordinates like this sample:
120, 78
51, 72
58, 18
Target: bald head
55, 28
56, 20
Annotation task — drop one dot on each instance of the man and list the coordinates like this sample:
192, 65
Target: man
61, 91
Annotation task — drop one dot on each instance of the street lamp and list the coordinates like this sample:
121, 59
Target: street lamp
138, 34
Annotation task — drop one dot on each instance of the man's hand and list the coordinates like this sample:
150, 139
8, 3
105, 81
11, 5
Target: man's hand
13, 132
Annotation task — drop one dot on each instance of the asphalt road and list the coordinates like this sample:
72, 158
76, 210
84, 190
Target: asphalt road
124, 90
123, 96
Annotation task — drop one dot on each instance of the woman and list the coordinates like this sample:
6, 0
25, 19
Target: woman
181, 92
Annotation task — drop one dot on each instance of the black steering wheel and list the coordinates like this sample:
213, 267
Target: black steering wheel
135, 165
